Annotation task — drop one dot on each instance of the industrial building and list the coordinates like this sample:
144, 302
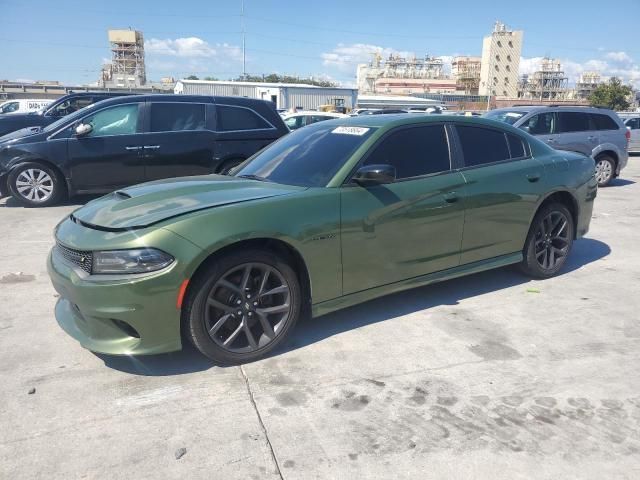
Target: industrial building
404, 76
547, 83
127, 69
500, 62
587, 83
284, 95
466, 72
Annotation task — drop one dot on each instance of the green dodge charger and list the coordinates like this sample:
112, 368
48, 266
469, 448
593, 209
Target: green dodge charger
329, 216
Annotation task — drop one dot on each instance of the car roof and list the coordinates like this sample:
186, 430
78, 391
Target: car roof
160, 97
540, 108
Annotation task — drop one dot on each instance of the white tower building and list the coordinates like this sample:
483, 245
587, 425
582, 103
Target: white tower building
500, 62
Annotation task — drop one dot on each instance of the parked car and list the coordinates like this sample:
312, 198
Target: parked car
329, 216
301, 119
593, 131
127, 140
633, 125
34, 121
23, 105
381, 111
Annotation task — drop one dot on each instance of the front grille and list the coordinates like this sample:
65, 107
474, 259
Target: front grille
79, 258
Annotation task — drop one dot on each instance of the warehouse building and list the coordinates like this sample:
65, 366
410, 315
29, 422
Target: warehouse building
284, 95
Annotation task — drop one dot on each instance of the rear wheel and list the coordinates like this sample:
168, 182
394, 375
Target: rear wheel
242, 306
605, 170
549, 241
36, 185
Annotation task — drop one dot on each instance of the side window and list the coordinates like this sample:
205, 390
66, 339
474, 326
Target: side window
175, 117
10, 107
69, 106
541, 124
237, 118
118, 120
573, 122
414, 151
604, 122
294, 122
516, 146
633, 124
482, 145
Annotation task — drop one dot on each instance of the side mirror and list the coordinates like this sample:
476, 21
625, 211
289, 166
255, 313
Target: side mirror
83, 129
370, 175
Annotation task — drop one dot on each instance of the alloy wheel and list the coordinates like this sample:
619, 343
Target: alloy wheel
35, 185
247, 307
604, 170
552, 240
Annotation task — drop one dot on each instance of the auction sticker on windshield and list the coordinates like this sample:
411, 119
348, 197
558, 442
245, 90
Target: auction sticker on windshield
359, 131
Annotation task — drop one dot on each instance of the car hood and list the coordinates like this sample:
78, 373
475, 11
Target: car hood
19, 134
143, 205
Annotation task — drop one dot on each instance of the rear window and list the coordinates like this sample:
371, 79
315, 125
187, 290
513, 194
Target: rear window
505, 116
238, 118
174, 117
603, 122
482, 145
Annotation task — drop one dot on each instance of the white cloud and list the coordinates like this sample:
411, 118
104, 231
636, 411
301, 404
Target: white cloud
347, 57
610, 64
190, 47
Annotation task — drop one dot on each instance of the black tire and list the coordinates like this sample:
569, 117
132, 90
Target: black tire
605, 170
45, 186
198, 313
536, 263
228, 165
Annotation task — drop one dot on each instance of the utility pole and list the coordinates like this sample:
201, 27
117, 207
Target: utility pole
244, 56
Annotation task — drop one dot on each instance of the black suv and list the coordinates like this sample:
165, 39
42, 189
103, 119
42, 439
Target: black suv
128, 140
55, 111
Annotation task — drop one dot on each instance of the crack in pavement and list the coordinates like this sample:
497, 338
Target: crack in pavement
262, 425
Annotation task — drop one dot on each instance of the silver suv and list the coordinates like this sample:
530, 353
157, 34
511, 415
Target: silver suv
597, 132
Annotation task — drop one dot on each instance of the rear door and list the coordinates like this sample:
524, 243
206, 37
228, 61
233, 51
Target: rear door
407, 228
109, 156
543, 126
178, 140
503, 186
576, 132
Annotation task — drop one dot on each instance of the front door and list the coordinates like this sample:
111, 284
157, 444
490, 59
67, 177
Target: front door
407, 228
178, 142
504, 184
576, 133
110, 155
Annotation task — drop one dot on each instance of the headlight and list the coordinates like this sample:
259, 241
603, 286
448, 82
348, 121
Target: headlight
140, 260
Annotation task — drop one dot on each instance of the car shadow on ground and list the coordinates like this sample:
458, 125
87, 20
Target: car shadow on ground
309, 331
620, 182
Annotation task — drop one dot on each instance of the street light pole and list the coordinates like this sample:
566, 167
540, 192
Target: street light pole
244, 56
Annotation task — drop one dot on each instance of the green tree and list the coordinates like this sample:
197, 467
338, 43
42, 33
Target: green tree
611, 95
193, 77
211, 79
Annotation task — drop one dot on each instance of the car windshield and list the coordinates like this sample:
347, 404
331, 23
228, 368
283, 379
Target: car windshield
505, 116
308, 157
69, 118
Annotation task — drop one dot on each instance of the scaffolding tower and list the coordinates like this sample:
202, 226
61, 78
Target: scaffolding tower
127, 60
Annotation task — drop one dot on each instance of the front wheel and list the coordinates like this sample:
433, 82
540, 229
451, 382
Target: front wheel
549, 241
242, 306
36, 185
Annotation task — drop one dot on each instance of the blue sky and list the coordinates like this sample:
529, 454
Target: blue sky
66, 40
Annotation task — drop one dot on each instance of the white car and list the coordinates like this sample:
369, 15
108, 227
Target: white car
300, 119
23, 105
633, 124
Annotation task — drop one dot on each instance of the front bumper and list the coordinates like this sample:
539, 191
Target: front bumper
120, 315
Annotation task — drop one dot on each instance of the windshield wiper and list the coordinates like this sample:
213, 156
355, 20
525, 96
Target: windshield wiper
254, 177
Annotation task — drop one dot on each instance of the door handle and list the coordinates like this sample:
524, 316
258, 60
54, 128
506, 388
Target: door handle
151, 147
132, 148
451, 197
533, 177
551, 140
591, 138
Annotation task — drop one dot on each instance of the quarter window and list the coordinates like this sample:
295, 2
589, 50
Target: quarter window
414, 151
604, 122
237, 118
573, 122
118, 120
516, 146
482, 145
174, 117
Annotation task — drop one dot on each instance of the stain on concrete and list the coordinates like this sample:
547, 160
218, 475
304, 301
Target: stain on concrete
351, 403
289, 464
18, 277
491, 350
291, 398
377, 383
278, 412
447, 401
353, 456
